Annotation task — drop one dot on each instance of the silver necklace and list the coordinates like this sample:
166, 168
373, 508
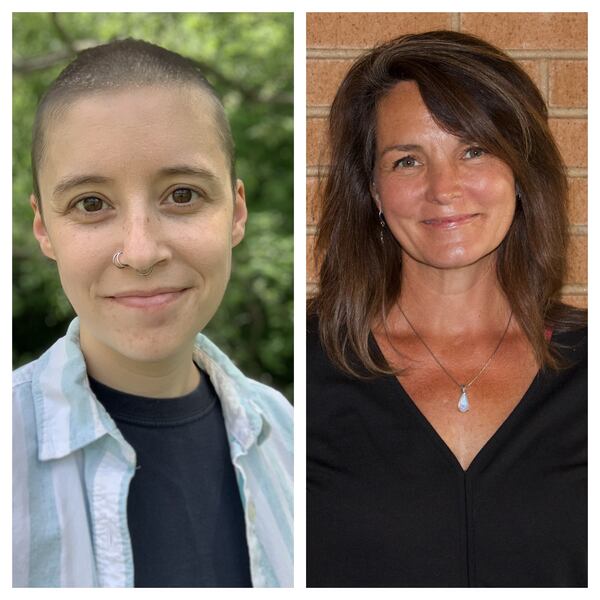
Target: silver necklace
463, 400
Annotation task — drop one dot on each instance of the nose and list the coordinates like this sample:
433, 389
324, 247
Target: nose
444, 182
143, 240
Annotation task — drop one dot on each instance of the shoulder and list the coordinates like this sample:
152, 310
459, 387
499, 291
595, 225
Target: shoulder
572, 345
572, 337
24, 384
273, 406
316, 356
23, 413
37, 378
313, 342
320, 368
569, 381
23, 375
332, 393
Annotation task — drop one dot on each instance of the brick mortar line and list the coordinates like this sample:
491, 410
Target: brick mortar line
315, 171
548, 54
545, 80
574, 289
321, 111
317, 112
578, 229
456, 22
350, 53
568, 113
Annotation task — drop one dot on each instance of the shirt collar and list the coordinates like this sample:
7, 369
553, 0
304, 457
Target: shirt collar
243, 419
69, 416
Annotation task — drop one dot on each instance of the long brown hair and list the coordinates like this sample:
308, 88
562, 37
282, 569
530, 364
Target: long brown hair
474, 91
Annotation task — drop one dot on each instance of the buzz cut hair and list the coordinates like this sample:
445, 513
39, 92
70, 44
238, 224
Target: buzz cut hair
122, 64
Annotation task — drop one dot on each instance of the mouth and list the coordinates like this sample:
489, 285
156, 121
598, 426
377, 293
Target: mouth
148, 299
451, 222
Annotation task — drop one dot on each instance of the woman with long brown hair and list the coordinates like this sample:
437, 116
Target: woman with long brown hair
446, 379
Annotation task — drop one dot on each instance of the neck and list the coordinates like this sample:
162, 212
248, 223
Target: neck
453, 302
166, 378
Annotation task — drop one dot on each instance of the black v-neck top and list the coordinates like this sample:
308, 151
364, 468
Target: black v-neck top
389, 505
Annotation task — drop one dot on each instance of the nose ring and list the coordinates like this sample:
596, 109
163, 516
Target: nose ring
116, 260
145, 273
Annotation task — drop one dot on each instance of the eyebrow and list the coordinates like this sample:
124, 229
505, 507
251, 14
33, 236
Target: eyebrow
401, 148
188, 170
72, 181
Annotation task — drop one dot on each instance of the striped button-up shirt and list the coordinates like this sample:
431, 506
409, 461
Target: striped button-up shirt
72, 469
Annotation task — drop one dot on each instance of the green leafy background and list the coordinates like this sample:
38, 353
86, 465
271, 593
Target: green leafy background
248, 57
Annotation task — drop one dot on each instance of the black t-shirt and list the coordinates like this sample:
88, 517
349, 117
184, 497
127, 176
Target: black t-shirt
389, 505
184, 508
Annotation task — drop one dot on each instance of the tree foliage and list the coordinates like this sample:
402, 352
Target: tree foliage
248, 57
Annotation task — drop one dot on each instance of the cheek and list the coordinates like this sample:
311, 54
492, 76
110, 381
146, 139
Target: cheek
494, 184
399, 198
499, 198
493, 190
80, 260
79, 279
209, 247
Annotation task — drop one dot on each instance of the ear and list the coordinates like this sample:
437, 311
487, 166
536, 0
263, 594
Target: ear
39, 229
375, 196
240, 214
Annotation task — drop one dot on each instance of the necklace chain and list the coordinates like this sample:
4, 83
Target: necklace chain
464, 387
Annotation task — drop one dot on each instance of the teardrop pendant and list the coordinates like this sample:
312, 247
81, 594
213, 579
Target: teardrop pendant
463, 401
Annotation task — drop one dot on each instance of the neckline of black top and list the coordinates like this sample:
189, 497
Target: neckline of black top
489, 448
492, 443
156, 412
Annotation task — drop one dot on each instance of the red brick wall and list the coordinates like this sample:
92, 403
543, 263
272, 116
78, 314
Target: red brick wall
551, 47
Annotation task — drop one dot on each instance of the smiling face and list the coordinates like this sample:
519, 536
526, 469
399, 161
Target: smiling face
141, 171
447, 201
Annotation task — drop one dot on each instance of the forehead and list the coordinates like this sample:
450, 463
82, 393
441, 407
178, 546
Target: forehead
403, 109
134, 129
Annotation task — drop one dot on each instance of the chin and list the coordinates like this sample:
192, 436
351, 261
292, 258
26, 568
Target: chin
457, 258
149, 352
144, 345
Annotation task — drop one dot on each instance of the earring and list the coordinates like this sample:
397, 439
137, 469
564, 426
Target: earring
382, 223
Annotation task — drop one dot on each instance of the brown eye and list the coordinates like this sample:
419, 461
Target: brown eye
182, 195
90, 204
407, 162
